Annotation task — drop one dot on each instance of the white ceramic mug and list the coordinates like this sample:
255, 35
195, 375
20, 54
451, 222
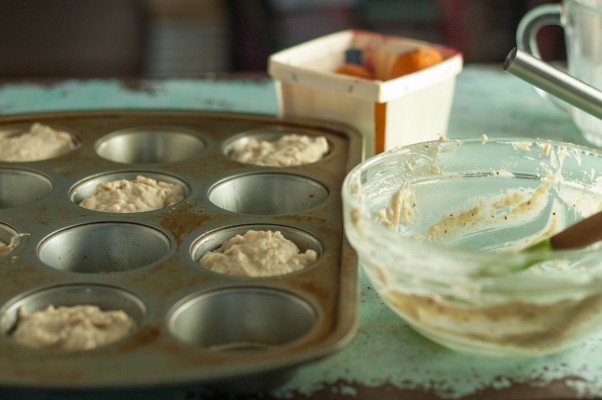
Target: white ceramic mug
582, 24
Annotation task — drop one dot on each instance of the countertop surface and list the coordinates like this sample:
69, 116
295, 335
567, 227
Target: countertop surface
386, 359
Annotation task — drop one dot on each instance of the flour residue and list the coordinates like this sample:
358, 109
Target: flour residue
401, 210
426, 161
510, 208
522, 145
496, 211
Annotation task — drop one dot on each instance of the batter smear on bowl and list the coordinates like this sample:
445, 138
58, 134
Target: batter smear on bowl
80, 327
257, 254
141, 194
289, 150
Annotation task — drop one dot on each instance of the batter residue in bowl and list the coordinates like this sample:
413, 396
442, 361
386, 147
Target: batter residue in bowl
509, 208
141, 194
40, 143
533, 327
287, 151
80, 327
258, 253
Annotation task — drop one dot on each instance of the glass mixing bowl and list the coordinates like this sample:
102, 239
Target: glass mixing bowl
439, 228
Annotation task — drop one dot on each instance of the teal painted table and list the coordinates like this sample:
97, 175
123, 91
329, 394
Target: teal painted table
386, 359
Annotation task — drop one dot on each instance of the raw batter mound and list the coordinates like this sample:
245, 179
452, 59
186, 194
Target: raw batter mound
40, 143
287, 151
256, 254
80, 327
141, 194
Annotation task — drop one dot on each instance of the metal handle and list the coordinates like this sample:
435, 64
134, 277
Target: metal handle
554, 81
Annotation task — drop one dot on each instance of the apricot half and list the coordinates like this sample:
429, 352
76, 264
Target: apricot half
413, 61
354, 70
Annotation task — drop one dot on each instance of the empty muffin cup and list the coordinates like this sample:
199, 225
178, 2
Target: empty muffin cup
257, 250
116, 313
104, 247
268, 194
242, 319
21, 187
149, 145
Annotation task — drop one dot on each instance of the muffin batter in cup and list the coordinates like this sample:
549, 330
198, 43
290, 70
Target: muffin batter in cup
258, 253
40, 143
141, 194
80, 327
289, 150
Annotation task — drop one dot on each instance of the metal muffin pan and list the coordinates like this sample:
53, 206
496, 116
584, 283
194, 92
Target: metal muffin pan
195, 326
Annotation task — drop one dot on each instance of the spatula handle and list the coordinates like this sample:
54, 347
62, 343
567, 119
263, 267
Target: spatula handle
581, 234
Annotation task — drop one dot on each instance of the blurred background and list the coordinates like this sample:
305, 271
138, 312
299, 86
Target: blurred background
187, 38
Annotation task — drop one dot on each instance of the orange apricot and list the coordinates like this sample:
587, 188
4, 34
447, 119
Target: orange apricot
354, 70
413, 61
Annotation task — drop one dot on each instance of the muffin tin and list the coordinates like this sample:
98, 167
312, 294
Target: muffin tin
196, 327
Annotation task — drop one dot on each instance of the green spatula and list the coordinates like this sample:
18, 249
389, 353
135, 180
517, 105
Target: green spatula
583, 233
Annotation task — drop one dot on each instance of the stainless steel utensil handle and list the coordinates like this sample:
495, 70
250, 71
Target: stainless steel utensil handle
554, 81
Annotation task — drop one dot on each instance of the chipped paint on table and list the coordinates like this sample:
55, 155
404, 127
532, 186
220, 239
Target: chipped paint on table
242, 96
386, 359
